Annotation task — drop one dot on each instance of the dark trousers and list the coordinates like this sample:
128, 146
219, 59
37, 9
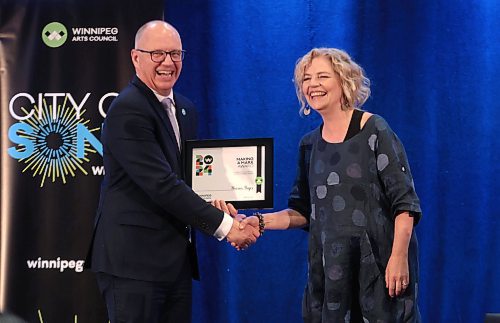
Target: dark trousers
136, 301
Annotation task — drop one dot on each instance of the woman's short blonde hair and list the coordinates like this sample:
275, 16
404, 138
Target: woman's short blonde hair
355, 85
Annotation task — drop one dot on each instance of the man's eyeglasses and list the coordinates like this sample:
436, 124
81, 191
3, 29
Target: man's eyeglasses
159, 55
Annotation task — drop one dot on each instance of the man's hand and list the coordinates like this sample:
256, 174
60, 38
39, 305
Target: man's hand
251, 220
241, 236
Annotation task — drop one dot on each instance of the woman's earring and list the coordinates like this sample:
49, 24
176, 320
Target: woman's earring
307, 110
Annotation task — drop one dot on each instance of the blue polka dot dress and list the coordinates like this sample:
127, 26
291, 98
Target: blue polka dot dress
351, 193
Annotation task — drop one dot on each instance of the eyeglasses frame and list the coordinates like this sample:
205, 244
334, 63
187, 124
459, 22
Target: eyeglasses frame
167, 53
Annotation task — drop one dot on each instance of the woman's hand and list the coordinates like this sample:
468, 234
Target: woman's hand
397, 276
228, 208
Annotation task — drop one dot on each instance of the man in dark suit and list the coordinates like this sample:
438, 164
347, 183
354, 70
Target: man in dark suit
141, 249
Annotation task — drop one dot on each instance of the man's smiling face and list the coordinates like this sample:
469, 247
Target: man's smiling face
162, 76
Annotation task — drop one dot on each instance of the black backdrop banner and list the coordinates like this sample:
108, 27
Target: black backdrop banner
61, 64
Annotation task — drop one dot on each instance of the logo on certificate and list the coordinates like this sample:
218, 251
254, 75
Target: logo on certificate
203, 165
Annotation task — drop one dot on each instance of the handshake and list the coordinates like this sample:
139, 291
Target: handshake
245, 230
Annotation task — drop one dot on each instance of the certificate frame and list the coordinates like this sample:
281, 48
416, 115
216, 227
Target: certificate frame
264, 160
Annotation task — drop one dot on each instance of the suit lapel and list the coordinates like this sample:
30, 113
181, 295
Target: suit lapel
161, 113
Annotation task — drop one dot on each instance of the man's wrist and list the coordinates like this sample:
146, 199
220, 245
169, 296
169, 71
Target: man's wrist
224, 227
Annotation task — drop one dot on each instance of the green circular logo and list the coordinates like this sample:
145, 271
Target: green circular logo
54, 34
259, 180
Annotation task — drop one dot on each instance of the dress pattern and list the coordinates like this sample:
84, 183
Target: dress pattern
351, 193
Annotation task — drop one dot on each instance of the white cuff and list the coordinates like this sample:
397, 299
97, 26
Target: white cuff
224, 227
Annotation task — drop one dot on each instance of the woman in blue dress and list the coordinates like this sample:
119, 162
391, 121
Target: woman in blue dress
355, 193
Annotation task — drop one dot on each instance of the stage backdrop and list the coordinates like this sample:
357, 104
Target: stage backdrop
61, 64
434, 66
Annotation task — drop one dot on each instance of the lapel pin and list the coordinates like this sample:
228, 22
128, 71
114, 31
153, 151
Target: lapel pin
183, 112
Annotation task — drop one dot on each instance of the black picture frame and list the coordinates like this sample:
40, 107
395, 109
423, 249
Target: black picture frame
268, 162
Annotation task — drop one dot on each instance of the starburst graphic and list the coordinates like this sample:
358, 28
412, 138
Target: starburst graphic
55, 139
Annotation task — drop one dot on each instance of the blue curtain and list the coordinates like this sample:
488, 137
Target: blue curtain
434, 72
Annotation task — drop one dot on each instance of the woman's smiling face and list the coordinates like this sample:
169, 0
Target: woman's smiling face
321, 85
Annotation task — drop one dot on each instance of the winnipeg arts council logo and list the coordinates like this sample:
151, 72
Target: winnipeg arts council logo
54, 34
204, 165
52, 140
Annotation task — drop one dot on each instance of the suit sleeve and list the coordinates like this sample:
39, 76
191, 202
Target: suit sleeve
133, 143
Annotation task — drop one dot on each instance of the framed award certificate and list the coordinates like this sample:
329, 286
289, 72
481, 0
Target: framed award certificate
239, 171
